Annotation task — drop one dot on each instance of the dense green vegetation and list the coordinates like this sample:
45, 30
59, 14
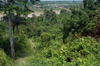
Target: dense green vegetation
68, 39
73, 53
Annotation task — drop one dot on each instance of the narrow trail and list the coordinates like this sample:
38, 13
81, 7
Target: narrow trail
26, 54
33, 45
32, 42
22, 60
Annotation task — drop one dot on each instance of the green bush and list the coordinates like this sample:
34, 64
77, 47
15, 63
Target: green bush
4, 59
45, 39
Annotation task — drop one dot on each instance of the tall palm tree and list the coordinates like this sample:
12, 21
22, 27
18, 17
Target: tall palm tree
15, 22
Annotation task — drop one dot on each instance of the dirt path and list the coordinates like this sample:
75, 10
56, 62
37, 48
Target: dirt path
33, 45
22, 60
32, 42
26, 54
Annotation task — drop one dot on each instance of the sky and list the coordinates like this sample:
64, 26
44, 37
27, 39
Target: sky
61, 0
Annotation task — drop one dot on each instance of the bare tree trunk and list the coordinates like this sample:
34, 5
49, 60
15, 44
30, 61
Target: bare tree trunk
10, 35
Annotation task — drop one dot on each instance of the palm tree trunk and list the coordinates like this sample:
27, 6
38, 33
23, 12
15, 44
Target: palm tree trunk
10, 35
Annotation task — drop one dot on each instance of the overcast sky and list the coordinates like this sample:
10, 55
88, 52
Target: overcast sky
61, 0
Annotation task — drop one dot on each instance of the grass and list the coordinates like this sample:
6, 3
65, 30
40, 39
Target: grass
19, 62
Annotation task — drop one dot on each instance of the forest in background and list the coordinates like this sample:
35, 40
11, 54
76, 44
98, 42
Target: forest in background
70, 38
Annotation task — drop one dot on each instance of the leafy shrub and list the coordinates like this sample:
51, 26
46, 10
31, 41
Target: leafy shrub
45, 38
4, 59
